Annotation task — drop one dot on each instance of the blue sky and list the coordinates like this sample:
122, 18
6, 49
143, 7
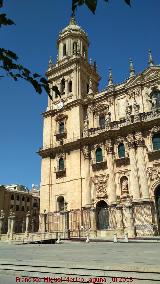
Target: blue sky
116, 33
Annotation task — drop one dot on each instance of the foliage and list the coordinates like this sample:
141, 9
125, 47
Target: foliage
91, 4
9, 60
9, 64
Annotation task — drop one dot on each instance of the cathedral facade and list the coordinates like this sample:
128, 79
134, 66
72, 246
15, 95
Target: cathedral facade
100, 169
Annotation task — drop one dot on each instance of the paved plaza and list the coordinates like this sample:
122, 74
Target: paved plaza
107, 259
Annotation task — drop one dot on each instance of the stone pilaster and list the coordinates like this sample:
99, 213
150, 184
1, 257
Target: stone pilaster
9, 224
134, 184
12, 218
143, 180
130, 229
86, 171
27, 222
93, 226
111, 179
32, 225
119, 219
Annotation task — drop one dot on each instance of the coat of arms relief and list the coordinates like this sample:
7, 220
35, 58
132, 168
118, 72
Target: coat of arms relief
100, 183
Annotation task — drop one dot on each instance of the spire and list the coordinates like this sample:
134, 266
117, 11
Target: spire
110, 80
72, 20
50, 63
150, 59
131, 68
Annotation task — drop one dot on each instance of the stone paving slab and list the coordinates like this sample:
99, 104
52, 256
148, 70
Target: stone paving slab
139, 260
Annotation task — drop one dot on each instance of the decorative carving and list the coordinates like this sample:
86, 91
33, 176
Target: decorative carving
130, 141
155, 129
109, 147
151, 76
139, 140
108, 119
61, 116
128, 112
132, 93
85, 130
119, 217
86, 152
100, 182
136, 108
61, 155
153, 173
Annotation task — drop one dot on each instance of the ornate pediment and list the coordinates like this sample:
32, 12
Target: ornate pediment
61, 116
151, 74
100, 182
101, 108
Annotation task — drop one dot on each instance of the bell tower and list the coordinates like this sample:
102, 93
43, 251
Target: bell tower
71, 80
72, 73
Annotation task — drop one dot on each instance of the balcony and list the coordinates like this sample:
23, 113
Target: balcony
60, 134
99, 165
122, 161
60, 172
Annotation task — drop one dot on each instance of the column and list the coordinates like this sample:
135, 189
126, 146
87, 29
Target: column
129, 220
27, 222
9, 225
1, 221
134, 184
12, 217
93, 222
141, 165
86, 173
111, 179
119, 220
32, 225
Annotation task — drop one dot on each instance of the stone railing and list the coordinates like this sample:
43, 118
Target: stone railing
114, 125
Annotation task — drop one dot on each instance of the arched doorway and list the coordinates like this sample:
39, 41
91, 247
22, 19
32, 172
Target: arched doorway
157, 205
102, 215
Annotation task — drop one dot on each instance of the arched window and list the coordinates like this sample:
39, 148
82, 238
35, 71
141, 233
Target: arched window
17, 197
23, 198
64, 50
60, 202
156, 141
61, 127
99, 157
12, 197
74, 47
61, 164
155, 95
62, 86
28, 199
102, 121
70, 86
121, 150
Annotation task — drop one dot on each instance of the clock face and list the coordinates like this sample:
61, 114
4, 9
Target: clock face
60, 105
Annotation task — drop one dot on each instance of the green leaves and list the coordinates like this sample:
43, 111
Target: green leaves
9, 65
91, 4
